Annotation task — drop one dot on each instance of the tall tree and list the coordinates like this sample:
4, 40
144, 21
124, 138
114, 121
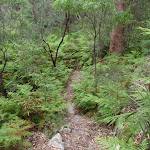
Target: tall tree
117, 35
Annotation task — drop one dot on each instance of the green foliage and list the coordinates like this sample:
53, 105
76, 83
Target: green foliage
112, 83
115, 102
134, 40
145, 41
34, 87
146, 31
13, 134
84, 92
26, 104
34, 92
113, 143
74, 50
94, 5
70, 6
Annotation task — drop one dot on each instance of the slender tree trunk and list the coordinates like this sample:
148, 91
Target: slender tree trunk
54, 60
95, 57
49, 52
3, 91
67, 17
117, 35
2, 86
99, 53
68, 27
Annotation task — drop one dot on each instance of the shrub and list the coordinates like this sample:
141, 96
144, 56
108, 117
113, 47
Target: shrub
13, 134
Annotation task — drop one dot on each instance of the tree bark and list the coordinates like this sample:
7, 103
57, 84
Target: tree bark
2, 86
67, 17
49, 52
67, 21
117, 35
3, 91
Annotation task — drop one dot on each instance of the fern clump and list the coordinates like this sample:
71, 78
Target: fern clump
112, 84
120, 100
113, 143
27, 105
13, 134
130, 125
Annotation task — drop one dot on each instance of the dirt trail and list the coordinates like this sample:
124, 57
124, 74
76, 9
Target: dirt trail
80, 131
83, 129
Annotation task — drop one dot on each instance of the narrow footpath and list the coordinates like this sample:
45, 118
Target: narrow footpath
83, 129
79, 132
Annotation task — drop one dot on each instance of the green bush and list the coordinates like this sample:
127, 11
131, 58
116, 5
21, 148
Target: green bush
34, 90
131, 124
112, 83
13, 134
119, 99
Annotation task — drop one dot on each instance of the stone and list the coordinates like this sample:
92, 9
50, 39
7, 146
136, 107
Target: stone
56, 142
66, 128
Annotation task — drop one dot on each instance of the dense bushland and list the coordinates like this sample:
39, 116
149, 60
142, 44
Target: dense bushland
114, 90
33, 94
122, 99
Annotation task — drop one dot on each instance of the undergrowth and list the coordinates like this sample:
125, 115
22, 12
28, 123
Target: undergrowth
121, 100
75, 50
34, 86
34, 99
34, 90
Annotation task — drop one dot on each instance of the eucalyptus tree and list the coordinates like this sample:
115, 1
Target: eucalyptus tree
117, 36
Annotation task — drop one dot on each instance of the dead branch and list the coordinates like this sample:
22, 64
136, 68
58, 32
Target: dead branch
49, 52
66, 26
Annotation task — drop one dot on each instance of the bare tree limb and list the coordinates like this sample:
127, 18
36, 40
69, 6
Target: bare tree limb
67, 21
49, 52
67, 17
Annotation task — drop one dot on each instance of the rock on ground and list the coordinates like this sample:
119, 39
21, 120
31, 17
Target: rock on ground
55, 143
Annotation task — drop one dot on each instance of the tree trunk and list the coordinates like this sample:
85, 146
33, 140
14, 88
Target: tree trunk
68, 27
95, 57
67, 18
2, 90
117, 35
2, 86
